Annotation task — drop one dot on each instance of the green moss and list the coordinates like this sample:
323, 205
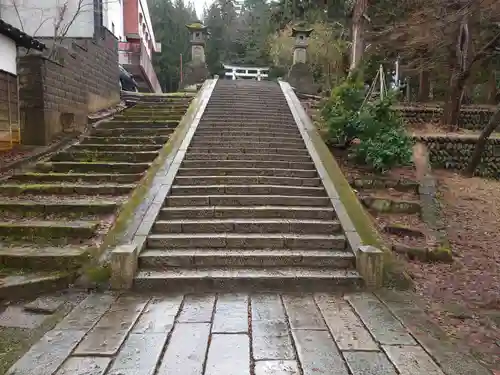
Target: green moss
98, 274
442, 253
394, 273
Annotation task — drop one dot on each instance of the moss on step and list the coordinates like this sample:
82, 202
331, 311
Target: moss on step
128, 210
391, 205
47, 230
66, 189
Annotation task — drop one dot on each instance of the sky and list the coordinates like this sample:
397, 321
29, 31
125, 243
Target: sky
199, 5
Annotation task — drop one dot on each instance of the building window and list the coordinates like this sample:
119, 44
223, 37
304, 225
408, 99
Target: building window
113, 27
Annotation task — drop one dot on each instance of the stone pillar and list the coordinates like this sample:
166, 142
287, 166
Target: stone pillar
299, 76
196, 70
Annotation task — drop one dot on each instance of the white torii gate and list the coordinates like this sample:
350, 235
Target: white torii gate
235, 71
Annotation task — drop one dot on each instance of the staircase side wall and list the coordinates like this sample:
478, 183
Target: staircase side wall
57, 94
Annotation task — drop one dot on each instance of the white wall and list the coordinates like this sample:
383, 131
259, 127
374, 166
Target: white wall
144, 9
39, 17
8, 51
113, 15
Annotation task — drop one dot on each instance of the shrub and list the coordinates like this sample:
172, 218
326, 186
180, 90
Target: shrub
382, 142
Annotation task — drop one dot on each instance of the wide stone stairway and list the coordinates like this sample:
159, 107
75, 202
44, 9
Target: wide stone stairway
54, 215
247, 207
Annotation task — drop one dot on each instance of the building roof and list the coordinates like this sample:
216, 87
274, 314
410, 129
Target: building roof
19, 37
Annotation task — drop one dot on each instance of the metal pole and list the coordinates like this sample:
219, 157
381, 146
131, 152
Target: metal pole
381, 76
397, 72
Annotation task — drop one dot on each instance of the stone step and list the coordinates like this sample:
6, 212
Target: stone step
65, 189
114, 148
132, 125
248, 212
250, 150
94, 167
154, 118
243, 278
235, 143
276, 172
276, 107
167, 258
120, 156
48, 230
247, 164
160, 107
44, 207
232, 139
247, 180
247, 226
126, 132
246, 241
307, 191
43, 258
155, 140
246, 121
245, 200
76, 177
295, 135
168, 110
242, 156
248, 126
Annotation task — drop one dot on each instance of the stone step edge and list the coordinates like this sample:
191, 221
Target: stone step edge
147, 252
254, 273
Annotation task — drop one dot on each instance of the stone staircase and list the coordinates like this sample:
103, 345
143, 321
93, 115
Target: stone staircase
246, 208
54, 215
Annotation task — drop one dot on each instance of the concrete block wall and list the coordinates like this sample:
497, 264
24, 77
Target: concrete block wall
57, 94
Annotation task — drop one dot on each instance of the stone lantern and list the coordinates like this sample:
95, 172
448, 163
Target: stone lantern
196, 71
301, 35
199, 34
299, 76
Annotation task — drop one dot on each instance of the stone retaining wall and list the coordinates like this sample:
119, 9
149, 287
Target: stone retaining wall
58, 94
454, 152
472, 118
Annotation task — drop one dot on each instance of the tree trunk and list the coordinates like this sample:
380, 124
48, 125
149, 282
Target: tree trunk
451, 112
481, 143
492, 86
358, 41
424, 86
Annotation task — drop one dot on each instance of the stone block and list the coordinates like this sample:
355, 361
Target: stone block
370, 265
124, 260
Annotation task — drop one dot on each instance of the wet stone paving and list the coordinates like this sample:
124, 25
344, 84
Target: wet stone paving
228, 334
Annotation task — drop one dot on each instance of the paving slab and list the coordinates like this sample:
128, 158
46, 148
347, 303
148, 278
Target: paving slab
380, 322
17, 317
84, 366
139, 355
303, 312
369, 363
412, 360
87, 313
231, 314
159, 315
277, 368
109, 333
228, 354
44, 305
45, 357
346, 328
186, 350
318, 353
197, 308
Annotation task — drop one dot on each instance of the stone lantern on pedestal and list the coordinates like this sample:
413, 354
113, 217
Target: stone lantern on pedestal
299, 76
196, 70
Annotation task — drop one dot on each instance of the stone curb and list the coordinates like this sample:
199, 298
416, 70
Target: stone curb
370, 261
137, 216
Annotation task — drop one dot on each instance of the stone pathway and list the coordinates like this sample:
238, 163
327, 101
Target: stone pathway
239, 334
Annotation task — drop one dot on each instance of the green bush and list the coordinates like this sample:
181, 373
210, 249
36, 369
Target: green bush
382, 142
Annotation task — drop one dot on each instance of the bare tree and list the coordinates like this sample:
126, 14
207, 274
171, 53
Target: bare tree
481, 143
